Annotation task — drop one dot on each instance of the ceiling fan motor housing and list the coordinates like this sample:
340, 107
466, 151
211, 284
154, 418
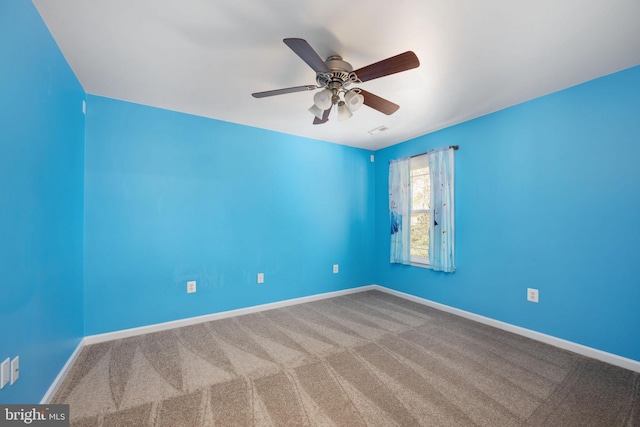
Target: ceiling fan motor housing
341, 74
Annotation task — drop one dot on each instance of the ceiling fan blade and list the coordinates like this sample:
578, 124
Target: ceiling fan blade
283, 91
377, 103
307, 54
325, 117
395, 64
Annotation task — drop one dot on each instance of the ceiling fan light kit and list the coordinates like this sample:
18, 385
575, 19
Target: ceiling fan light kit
318, 112
335, 77
322, 99
354, 100
343, 111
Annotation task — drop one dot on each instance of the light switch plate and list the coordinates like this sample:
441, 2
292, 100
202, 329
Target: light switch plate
15, 369
4, 373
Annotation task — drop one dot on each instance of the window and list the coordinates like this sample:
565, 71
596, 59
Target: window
420, 210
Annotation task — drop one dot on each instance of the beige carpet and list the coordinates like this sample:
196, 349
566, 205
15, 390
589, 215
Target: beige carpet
363, 359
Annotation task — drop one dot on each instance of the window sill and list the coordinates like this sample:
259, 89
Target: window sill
420, 265
420, 261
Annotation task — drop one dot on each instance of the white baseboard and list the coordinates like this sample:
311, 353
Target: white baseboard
583, 350
55, 385
126, 333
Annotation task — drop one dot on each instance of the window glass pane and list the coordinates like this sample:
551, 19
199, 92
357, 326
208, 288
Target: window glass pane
420, 234
420, 207
420, 189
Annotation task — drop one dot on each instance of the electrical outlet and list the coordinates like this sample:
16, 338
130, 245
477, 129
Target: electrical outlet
191, 286
260, 277
4, 373
532, 295
335, 268
15, 369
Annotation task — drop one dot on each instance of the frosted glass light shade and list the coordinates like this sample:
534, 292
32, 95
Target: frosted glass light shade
322, 99
343, 111
316, 111
353, 100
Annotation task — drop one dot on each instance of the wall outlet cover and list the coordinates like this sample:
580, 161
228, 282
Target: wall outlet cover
4, 373
260, 277
191, 286
532, 295
335, 268
15, 369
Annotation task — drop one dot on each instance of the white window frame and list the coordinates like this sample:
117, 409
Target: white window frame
419, 162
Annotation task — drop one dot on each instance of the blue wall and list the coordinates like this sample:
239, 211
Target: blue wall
548, 197
41, 203
171, 197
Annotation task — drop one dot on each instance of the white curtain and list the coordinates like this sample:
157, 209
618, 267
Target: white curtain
400, 210
442, 229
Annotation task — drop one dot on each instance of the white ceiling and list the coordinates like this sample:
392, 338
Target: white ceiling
206, 57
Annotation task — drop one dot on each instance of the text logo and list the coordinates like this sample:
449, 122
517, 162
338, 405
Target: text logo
34, 415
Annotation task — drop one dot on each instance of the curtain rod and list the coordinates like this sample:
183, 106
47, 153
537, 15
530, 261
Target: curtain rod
454, 147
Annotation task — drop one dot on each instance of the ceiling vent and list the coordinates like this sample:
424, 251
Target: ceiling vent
378, 130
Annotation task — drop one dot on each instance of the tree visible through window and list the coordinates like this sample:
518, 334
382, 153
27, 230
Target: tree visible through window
420, 209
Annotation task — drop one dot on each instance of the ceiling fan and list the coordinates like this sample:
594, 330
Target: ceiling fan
336, 76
